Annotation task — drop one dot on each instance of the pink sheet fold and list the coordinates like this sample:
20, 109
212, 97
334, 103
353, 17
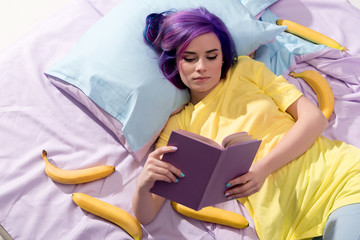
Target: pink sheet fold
342, 71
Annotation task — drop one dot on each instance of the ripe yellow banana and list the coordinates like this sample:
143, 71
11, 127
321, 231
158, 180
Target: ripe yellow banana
214, 215
75, 176
309, 34
321, 88
109, 212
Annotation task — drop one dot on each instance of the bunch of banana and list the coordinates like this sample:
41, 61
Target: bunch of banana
75, 176
109, 212
214, 215
321, 88
309, 34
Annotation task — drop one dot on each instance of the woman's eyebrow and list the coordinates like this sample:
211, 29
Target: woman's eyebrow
209, 51
212, 50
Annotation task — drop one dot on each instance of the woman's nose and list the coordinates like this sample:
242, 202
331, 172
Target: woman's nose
200, 66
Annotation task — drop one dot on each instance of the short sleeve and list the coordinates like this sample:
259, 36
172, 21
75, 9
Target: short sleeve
277, 87
172, 124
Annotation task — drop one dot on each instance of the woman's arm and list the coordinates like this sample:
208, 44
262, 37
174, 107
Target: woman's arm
310, 123
145, 204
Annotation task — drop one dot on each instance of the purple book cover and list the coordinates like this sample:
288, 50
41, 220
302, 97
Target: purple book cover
207, 169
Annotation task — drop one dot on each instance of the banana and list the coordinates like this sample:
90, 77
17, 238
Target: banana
75, 176
321, 88
214, 215
309, 34
109, 212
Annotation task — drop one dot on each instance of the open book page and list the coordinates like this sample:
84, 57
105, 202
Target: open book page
200, 138
228, 141
236, 138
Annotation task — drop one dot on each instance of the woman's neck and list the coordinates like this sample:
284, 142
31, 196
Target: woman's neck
197, 96
195, 99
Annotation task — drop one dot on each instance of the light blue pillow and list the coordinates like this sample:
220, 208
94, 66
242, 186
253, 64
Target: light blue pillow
113, 66
257, 6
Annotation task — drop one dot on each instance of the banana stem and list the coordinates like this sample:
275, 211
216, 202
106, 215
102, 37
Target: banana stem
44, 156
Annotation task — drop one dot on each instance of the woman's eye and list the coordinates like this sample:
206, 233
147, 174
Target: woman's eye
212, 57
189, 59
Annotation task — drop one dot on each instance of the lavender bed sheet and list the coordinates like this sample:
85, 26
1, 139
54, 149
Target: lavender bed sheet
339, 20
35, 115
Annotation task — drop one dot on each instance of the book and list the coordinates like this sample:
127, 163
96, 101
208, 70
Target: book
207, 165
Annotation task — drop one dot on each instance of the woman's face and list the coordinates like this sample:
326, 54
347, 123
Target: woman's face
200, 65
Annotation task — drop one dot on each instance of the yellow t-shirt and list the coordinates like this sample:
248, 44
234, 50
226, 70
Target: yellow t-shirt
296, 200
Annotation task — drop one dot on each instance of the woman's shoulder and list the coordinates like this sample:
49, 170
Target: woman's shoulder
179, 115
248, 61
245, 68
244, 58
176, 121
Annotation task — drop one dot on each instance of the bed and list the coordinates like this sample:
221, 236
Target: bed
38, 111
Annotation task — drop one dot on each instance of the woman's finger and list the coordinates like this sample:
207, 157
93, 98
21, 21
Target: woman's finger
156, 166
242, 190
246, 193
164, 169
157, 153
164, 177
239, 180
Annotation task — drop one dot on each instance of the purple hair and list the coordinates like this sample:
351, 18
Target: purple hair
169, 33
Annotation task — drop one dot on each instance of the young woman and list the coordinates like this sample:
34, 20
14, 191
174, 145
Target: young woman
300, 182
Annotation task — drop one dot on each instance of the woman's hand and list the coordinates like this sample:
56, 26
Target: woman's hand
247, 184
310, 122
155, 169
145, 204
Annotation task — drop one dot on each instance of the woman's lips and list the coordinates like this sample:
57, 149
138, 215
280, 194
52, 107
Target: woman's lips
201, 78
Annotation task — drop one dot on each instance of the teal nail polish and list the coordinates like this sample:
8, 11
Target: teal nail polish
228, 185
182, 175
177, 180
